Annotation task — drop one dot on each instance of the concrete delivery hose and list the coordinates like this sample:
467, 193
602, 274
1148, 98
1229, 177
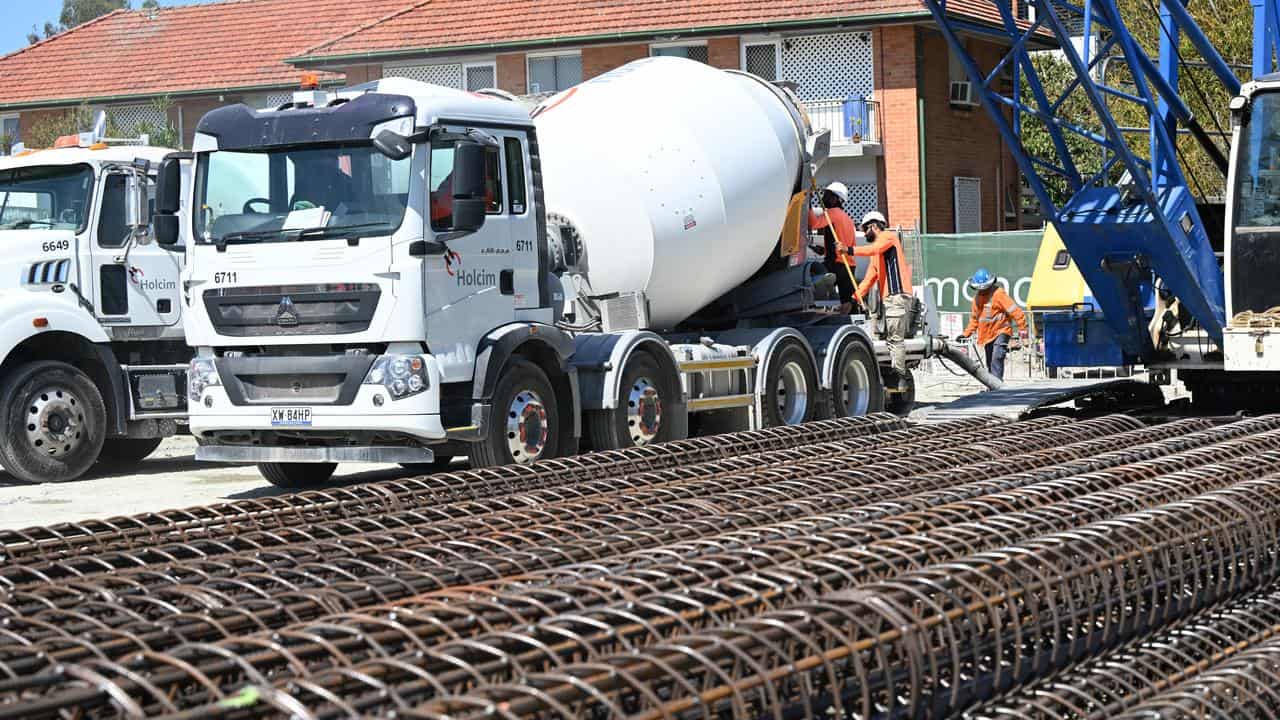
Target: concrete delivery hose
957, 355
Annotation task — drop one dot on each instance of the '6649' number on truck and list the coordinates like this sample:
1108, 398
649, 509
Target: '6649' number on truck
55, 245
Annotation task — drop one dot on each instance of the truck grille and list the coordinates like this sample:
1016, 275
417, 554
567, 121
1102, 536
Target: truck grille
312, 388
292, 309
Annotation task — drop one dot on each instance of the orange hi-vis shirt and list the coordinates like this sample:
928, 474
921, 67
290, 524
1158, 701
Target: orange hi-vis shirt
889, 269
991, 317
846, 232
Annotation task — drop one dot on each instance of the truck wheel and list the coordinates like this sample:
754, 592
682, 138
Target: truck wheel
902, 403
857, 389
524, 425
791, 388
644, 397
54, 420
123, 451
297, 476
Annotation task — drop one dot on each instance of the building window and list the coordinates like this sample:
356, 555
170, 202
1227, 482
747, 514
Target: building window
480, 77
553, 73
8, 133
968, 204
691, 52
761, 60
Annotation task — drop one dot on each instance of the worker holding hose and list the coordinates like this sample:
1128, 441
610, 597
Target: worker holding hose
838, 233
990, 317
890, 273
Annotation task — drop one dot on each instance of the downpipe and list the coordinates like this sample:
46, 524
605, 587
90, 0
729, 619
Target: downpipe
940, 346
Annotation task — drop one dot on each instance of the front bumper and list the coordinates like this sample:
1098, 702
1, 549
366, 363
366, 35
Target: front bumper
259, 454
218, 415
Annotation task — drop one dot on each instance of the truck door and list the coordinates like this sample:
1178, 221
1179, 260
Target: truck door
142, 289
484, 278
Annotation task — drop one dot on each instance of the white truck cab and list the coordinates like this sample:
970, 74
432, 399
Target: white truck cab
92, 358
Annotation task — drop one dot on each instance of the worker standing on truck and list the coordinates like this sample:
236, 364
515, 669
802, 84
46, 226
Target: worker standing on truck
838, 232
890, 273
990, 316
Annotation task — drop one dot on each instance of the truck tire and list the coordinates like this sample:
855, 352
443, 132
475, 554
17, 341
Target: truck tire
524, 425
125, 451
856, 389
644, 393
902, 403
791, 394
54, 420
297, 476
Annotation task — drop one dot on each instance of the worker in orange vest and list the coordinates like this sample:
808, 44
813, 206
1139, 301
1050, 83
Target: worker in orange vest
990, 317
838, 233
890, 273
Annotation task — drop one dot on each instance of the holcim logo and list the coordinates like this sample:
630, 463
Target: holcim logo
136, 276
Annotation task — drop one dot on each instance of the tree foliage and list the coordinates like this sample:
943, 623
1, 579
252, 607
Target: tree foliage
78, 12
47, 129
1227, 24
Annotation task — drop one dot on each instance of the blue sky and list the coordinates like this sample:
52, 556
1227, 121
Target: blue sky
20, 15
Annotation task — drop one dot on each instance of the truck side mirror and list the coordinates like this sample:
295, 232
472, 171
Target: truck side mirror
165, 229
164, 221
169, 185
393, 145
468, 186
136, 202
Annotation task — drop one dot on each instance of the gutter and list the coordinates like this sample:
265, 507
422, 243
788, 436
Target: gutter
853, 21
64, 102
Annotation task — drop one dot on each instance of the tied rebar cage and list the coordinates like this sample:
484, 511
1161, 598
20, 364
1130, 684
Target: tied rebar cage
860, 568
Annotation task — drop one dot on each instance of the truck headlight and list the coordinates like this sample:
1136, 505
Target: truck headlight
400, 375
201, 375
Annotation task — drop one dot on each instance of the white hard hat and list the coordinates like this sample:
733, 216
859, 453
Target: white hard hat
874, 215
840, 189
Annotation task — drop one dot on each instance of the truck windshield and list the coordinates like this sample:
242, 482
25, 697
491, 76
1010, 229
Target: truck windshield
49, 197
299, 194
1255, 238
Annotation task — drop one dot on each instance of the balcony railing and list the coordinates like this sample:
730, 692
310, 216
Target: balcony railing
851, 120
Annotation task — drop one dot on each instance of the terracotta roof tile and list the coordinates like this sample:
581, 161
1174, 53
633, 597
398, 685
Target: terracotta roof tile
225, 45
445, 24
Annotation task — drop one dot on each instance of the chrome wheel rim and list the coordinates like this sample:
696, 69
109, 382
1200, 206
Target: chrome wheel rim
527, 428
793, 394
55, 423
644, 412
855, 389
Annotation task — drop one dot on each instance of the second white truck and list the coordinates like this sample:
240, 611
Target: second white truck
406, 273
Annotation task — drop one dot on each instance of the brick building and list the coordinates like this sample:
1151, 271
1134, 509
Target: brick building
875, 72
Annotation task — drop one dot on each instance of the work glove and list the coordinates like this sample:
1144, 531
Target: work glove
961, 338
1015, 342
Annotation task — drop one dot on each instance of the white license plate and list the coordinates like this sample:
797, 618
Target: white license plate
291, 417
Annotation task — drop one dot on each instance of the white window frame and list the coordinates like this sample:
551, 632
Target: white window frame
957, 182
479, 64
10, 116
680, 43
554, 53
745, 42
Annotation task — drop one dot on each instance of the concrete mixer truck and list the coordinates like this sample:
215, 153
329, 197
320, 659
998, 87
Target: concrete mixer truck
405, 273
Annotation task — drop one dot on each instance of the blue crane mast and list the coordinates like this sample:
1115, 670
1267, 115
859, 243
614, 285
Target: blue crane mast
1134, 219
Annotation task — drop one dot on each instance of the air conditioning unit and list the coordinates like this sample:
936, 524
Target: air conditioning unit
962, 93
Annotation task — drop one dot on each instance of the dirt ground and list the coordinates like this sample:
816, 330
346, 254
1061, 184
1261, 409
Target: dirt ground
171, 478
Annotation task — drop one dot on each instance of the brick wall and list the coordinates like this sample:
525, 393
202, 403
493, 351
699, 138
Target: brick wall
895, 86
511, 73
192, 110
357, 74
960, 141
724, 53
28, 119
599, 60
